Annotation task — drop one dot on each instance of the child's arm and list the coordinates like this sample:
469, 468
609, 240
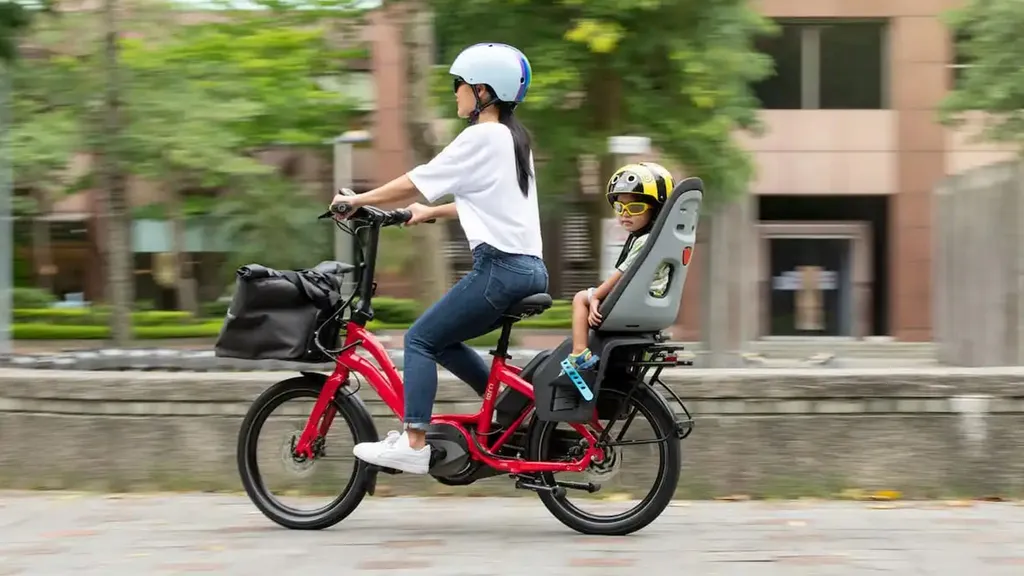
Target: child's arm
598, 294
602, 291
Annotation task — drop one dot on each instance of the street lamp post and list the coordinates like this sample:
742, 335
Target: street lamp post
343, 177
6, 199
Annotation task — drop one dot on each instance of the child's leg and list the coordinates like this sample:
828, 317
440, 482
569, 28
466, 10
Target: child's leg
580, 326
580, 356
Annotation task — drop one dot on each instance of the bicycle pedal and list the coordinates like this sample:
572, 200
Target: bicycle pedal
384, 469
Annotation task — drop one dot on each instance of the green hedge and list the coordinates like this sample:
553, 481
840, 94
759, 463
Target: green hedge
37, 331
101, 317
208, 329
40, 323
31, 298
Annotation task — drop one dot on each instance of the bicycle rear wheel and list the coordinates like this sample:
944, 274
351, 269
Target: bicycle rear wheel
547, 444
283, 440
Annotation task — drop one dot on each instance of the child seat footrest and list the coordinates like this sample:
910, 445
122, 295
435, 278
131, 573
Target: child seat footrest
577, 380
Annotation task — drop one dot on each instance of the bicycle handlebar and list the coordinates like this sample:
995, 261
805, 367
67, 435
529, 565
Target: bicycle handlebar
375, 216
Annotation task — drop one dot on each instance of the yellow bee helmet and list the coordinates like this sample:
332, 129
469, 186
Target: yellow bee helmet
649, 180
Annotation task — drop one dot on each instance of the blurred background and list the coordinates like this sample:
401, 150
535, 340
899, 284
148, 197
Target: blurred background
150, 147
864, 208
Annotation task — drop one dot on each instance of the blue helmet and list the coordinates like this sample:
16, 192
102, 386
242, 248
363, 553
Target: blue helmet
502, 67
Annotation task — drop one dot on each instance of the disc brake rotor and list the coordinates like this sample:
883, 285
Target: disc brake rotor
299, 465
605, 470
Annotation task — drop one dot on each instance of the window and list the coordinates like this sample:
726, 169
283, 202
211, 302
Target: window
831, 64
851, 65
781, 90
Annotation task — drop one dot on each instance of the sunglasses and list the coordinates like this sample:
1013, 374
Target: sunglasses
630, 208
456, 83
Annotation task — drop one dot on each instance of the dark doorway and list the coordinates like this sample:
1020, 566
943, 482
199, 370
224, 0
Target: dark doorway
811, 285
872, 209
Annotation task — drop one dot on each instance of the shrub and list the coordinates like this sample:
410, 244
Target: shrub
39, 331
32, 298
395, 310
217, 309
99, 317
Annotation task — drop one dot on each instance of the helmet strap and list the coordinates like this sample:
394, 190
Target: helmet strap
474, 116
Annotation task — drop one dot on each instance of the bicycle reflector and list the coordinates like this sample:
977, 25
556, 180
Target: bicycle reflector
687, 253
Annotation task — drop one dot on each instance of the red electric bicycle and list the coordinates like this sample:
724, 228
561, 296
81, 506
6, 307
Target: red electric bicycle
506, 436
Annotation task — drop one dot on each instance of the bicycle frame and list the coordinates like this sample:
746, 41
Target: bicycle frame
388, 384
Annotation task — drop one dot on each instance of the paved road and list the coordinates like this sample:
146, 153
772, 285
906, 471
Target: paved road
63, 534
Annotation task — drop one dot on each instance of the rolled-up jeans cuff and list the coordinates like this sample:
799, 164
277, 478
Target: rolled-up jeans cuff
422, 426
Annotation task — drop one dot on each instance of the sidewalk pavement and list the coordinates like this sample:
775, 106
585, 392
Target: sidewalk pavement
44, 534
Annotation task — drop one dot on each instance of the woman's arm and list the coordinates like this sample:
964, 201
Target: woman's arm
400, 189
444, 211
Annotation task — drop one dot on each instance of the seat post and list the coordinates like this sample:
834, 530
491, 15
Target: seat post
506, 333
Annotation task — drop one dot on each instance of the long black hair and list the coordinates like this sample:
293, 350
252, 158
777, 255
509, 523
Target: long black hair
521, 142
521, 139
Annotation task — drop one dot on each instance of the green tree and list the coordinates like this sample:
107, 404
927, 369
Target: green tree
263, 79
195, 102
677, 71
40, 149
989, 43
183, 138
15, 18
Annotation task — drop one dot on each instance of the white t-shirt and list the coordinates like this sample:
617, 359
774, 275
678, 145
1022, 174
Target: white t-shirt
479, 169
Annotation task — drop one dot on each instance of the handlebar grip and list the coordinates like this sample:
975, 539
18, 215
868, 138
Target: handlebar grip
402, 216
341, 208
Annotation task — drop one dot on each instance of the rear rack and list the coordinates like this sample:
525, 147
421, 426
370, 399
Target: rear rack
663, 356
658, 357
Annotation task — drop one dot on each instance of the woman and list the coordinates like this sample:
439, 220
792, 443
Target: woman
488, 169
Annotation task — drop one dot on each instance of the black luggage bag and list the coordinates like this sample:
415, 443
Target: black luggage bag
277, 314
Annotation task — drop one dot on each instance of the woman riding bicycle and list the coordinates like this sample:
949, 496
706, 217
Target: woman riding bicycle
488, 169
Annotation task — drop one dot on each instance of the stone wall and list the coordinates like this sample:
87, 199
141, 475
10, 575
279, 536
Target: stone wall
979, 266
783, 433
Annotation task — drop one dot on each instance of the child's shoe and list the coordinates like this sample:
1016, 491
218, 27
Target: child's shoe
584, 360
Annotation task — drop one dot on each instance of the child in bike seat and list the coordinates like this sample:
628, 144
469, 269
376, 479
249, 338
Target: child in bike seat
636, 192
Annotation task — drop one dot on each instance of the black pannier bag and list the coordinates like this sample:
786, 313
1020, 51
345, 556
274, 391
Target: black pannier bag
275, 314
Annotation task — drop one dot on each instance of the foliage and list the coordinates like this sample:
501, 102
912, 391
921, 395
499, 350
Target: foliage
677, 71
273, 222
31, 298
38, 331
180, 132
15, 18
200, 100
99, 316
989, 41
44, 135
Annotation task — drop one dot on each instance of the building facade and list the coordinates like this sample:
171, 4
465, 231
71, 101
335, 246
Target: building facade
836, 231
839, 222
839, 215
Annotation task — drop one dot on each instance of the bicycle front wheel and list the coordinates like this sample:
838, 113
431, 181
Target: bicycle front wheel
266, 457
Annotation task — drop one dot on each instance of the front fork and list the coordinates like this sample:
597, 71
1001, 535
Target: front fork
320, 419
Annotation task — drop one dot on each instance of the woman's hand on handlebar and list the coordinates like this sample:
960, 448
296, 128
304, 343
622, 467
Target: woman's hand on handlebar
345, 197
420, 213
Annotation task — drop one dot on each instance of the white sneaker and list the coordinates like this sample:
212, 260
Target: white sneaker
394, 452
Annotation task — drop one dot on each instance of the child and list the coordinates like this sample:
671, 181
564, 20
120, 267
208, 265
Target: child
636, 192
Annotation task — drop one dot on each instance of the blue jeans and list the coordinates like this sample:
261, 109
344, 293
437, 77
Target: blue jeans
473, 307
